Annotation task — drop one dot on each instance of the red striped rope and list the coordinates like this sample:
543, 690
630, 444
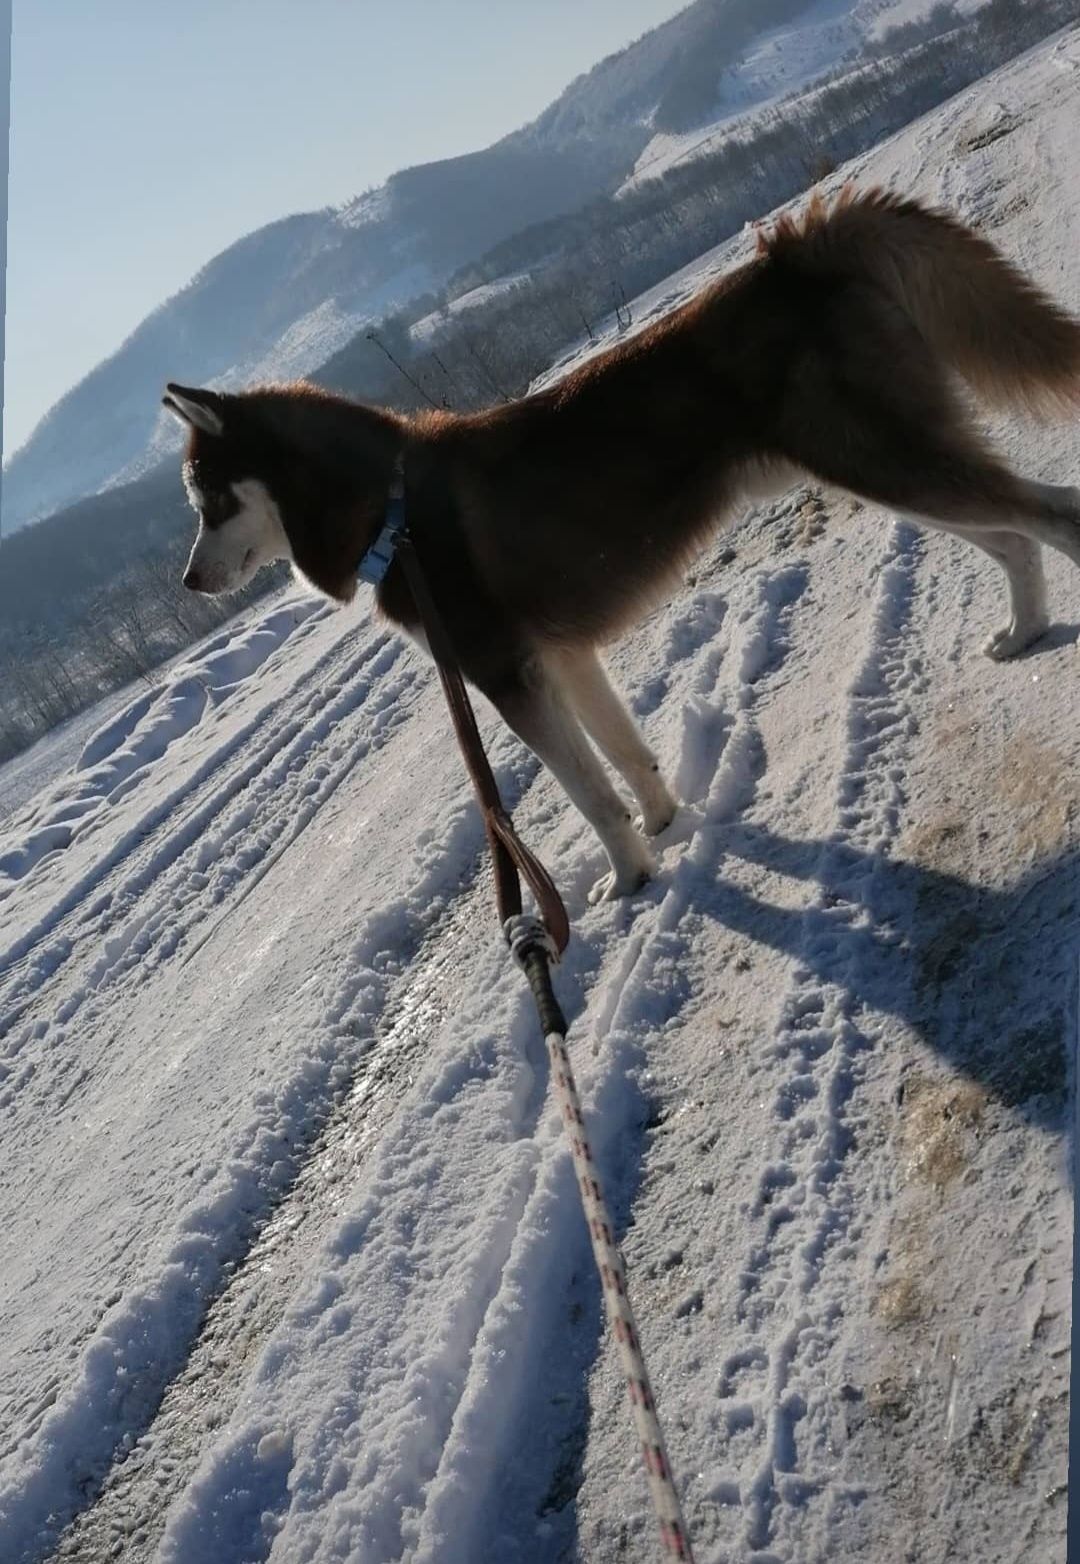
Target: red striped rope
674, 1538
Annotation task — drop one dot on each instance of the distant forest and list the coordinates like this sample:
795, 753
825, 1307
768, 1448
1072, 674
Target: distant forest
90, 597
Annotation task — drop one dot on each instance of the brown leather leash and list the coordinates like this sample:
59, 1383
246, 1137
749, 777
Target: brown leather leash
513, 861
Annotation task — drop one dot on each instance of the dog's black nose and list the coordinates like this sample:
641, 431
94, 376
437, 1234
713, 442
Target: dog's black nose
191, 578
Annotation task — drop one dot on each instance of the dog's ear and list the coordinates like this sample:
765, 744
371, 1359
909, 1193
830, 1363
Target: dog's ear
200, 409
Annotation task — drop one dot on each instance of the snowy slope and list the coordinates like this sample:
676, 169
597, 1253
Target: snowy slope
292, 1266
775, 64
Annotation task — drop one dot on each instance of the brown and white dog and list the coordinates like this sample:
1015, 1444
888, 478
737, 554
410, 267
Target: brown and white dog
549, 526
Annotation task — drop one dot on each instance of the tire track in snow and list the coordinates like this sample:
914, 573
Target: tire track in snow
199, 843
161, 813
805, 1210
119, 755
279, 801
128, 1516
145, 1341
149, 1471
165, 909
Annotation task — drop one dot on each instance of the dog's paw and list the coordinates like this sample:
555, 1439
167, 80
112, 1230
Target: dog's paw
656, 818
610, 887
1013, 638
629, 872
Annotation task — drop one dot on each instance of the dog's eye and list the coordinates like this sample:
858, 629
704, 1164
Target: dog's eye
217, 508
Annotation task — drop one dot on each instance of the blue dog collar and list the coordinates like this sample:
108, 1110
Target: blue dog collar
379, 556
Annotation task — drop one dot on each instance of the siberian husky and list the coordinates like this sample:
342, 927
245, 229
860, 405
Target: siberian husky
549, 526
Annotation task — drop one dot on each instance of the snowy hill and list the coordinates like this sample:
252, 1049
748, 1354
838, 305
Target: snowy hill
282, 300
293, 1267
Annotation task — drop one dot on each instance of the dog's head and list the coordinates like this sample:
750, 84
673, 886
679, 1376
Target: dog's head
240, 523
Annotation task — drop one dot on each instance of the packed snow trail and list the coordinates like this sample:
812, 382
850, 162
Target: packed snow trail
293, 1266
149, 1332
257, 1289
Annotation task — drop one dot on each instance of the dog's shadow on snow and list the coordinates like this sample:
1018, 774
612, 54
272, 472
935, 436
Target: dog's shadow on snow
985, 976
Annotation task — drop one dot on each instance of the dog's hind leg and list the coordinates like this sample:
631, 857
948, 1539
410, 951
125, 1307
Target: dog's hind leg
934, 467
1010, 526
606, 720
538, 710
1021, 559
1048, 513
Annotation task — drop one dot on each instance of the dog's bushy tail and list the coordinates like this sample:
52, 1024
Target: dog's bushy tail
989, 322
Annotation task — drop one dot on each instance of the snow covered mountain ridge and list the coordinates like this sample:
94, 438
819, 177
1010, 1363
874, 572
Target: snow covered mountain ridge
280, 301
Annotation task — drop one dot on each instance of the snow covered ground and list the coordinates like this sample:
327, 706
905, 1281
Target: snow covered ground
292, 1266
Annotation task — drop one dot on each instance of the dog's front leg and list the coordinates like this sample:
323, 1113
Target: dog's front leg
580, 674
538, 713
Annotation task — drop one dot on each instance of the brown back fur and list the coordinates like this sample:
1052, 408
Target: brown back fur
562, 517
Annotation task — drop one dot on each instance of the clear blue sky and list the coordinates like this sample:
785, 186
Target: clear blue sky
146, 135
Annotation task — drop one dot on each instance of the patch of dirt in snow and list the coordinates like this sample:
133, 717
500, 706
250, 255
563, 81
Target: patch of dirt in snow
938, 1125
1041, 791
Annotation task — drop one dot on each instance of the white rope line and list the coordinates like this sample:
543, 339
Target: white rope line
533, 948
674, 1537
